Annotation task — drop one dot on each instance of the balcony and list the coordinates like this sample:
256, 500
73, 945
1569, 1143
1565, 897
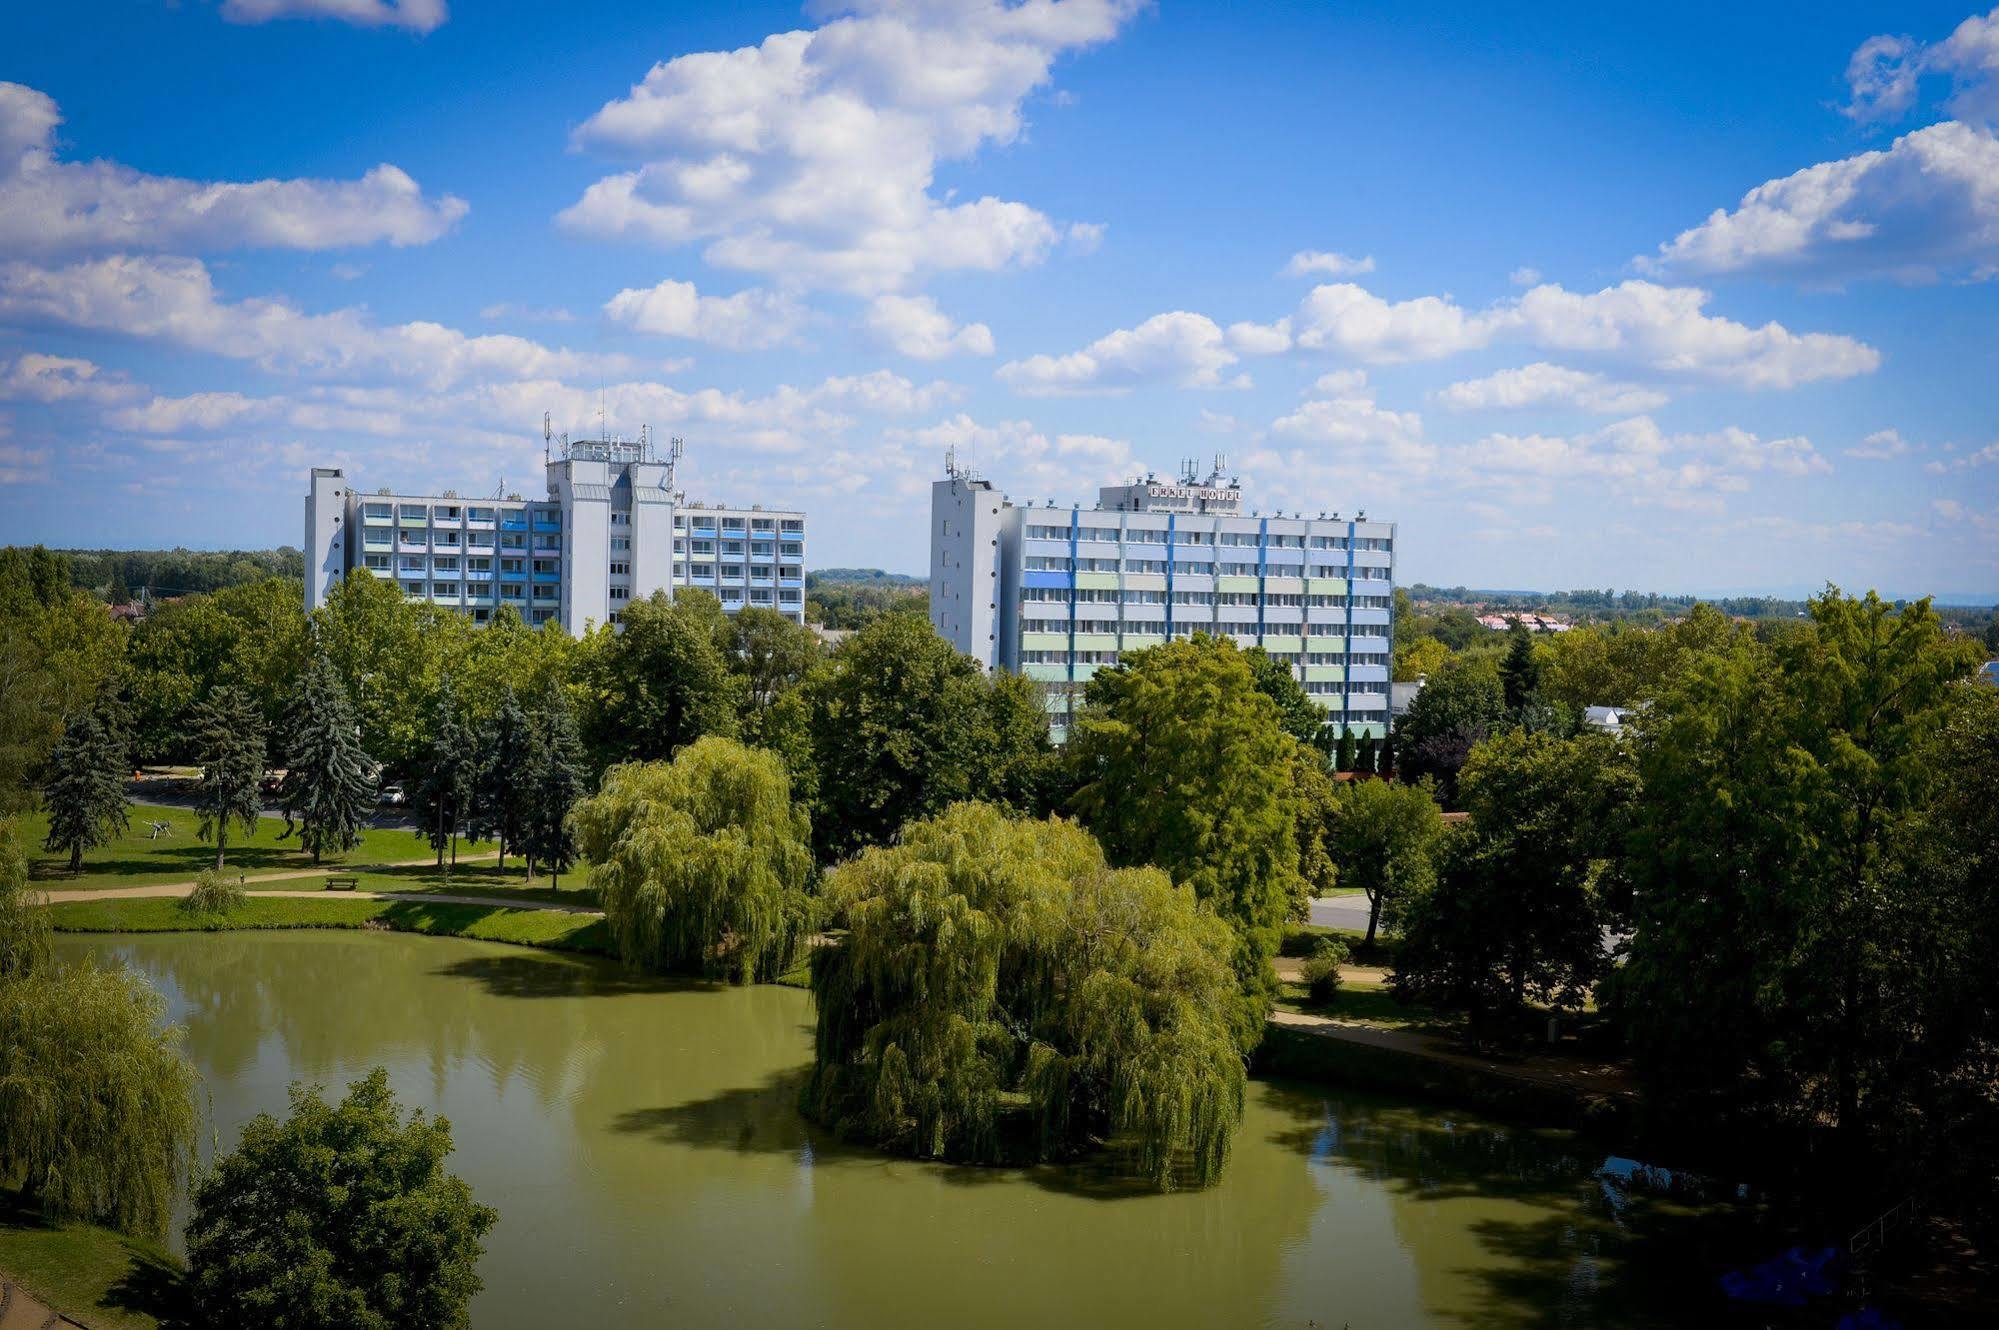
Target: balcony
554, 576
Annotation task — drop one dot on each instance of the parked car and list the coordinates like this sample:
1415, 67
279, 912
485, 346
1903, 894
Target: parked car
393, 796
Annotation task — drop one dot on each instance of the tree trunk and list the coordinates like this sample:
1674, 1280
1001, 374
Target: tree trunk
440, 833
221, 842
76, 857
454, 845
1373, 915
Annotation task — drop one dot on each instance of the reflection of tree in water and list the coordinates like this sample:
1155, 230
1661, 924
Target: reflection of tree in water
1542, 1229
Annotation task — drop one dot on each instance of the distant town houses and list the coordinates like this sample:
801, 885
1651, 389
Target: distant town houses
1533, 623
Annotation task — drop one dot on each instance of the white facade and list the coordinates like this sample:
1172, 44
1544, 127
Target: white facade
1057, 594
612, 529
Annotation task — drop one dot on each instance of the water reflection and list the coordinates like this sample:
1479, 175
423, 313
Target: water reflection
641, 1140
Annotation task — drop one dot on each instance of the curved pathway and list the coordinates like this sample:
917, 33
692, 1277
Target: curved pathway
20, 1311
170, 890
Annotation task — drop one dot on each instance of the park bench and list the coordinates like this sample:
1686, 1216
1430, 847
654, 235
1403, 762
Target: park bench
342, 883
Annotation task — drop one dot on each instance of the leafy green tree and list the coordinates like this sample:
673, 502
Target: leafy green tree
1460, 705
447, 775
1524, 891
339, 1216
1179, 761
227, 734
1520, 672
900, 726
60, 655
24, 918
392, 654
251, 637
502, 799
326, 788
1420, 658
214, 895
1383, 841
1791, 939
658, 682
84, 792
701, 863
96, 1097
769, 655
554, 781
1302, 718
1004, 994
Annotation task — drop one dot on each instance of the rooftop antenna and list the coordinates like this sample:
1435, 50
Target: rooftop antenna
547, 436
951, 462
674, 448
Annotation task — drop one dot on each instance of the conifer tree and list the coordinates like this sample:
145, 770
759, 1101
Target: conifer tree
1364, 755
1345, 752
554, 784
227, 735
85, 790
447, 771
500, 795
326, 786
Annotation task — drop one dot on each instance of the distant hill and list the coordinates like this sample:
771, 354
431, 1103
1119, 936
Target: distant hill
860, 577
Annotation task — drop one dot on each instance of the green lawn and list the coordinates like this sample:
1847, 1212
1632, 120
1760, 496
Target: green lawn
480, 879
554, 929
133, 860
103, 1279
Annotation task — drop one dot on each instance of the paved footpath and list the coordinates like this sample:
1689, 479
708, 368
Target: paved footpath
255, 887
18, 1311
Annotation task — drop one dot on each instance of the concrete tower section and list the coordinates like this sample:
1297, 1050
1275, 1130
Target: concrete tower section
326, 532
969, 522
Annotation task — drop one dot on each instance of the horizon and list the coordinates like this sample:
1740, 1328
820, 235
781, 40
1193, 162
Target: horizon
1569, 300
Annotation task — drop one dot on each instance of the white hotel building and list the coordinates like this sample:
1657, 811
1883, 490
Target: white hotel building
611, 530
1057, 594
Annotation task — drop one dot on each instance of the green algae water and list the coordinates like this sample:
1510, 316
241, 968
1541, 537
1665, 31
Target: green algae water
640, 1140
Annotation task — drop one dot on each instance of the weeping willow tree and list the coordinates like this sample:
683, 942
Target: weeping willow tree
24, 923
1003, 994
701, 862
97, 1102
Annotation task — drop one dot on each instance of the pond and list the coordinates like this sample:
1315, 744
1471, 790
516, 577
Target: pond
640, 1140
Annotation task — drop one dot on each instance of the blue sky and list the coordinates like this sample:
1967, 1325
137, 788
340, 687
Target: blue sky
1578, 298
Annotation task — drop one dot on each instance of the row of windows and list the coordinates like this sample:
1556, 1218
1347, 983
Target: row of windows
734, 572
790, 525
1282, 540
1055, 563
1055, 595
733, 549
452, 512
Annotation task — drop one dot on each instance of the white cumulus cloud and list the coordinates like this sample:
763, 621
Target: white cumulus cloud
35, 377
1881, 445
1308, 261
1925, 205
914, 326
811, 156
415, 15
1544, 385
1178, 348
50, 206
749, 320
1886, 72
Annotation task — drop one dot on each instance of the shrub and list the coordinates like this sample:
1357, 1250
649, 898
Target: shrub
214, 894
1322, 970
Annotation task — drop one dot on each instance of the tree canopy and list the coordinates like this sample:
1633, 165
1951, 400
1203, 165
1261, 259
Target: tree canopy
84, 791
658, 681
227, 736
342, 1215
1382, 839
900, 726
1179, 760
1004, 994
701, 863
327, 786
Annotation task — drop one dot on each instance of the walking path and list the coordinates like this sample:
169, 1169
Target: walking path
254, 886
18, 1311
1559, 1072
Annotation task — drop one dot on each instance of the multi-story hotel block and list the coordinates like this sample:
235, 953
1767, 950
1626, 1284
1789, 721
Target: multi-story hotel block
1057, 594
611, 529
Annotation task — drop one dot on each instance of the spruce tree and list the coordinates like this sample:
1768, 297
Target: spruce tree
500, 796
227, 735
1519, 673
1345, 752
554, 784
447, 771
85, 790
1365, 754
327, 785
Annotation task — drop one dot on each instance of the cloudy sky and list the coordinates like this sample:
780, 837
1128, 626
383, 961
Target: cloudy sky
1709, 304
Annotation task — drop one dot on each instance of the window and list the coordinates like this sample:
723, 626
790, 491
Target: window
1048, 563
732, 549
790, 597
479, 514
762, 524
547, 542
376, 512
513, 565
444, 565
544, 566
706, 547
680, 524
414, 512
445, 512
375, 561
1048, 533
620, 544
733, 524
790, 570
621, 517
792, 550
621, 570
760, 596
1098, 533
512, 591
793, 526
1059, 595
620, 593
1194, 537
478, 565
512, 542
762, 571
1145, 565
445, 588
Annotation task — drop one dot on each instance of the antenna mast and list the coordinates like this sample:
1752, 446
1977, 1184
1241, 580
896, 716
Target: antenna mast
547, 436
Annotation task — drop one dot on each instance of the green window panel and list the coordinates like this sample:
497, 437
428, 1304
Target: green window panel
1278, 642
1096, 581
1139, 641
1325, 674
1235, 584
1096, 641
1046, 673
1145, 581
1325, 586
1044, 641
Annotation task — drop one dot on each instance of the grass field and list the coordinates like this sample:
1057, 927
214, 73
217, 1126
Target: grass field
103, 1279
553, 929
133, 860
480, 879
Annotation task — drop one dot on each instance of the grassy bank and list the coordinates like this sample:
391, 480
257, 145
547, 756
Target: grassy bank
554, 929
103, 1279
137, 860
